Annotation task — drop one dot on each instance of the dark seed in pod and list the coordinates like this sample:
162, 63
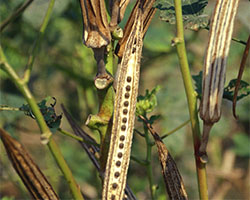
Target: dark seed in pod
124, 120
128, 87
121, 145
114, 185
126, 103
119, 155
118, 163
129, 79
123, 127
117, 174
122, 138
126, 95
113, 197
125, 111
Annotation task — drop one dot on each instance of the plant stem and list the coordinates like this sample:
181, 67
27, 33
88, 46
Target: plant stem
176, 129
7, 108
70, 135
192, 100
76, 137
38, 41
46, 133
141, 162
14, 15
148, 161
106, 104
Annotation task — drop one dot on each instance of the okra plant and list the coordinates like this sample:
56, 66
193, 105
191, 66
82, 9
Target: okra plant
106, 110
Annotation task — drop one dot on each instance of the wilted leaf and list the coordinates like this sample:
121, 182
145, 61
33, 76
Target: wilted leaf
244, 90
52, 120
91, 150
192, 11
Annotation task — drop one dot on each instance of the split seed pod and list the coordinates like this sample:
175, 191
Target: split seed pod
147, 15
96, 32
118, 8
215, 67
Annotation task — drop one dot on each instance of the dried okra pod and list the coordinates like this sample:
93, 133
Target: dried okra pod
96, 35
220, 36
96, 32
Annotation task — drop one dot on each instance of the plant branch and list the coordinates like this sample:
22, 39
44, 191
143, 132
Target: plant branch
175, 129
191, 99
46, 133
76, 137
38, 42
240, 73
7, 108
148, 161
14, 15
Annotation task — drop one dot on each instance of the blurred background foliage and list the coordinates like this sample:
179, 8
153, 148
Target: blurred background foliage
65, 68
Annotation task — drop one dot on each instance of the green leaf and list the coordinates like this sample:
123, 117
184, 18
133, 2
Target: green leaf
192, 11
147, 103
52, 120
198, 83
153, 118
244, 90
241, 144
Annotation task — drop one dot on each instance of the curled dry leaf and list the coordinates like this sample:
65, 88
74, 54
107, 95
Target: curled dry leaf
215, 67
147, 15
29, 172
172, 178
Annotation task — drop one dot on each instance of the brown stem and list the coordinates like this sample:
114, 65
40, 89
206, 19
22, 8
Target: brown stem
204, 140
102, 79
242, 66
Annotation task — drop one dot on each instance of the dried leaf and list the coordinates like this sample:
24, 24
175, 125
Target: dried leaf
29, 172
92, 150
